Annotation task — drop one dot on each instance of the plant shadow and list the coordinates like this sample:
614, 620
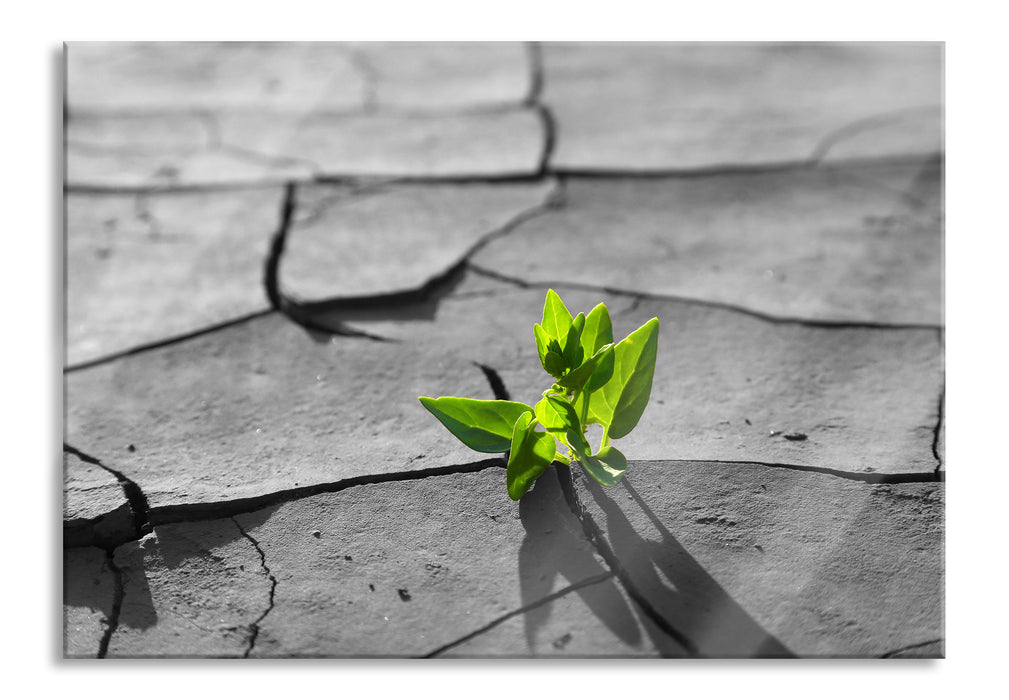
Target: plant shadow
678, 587
555, 546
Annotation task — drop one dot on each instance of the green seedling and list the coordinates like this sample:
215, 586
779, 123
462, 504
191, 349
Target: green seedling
596, 381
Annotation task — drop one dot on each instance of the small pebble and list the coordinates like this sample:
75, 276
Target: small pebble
795, 437
316, 533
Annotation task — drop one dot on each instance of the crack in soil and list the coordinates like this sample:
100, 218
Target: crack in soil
254, 626
495, 381
640, 296
864, 477
292, 309
938, 428
595, 535
859, 126
534, 100
162, 515
941, 415
305, 314
139, 508
909, 647
118, 593
165, 342
591, 581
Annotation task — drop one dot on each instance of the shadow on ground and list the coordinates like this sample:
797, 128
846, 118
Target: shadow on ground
679, 589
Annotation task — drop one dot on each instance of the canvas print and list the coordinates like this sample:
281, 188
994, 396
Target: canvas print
503, 350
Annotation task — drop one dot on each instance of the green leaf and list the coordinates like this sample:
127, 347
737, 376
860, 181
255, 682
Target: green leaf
549, 417
579, 322
577, 378
607, 467
573, 353
603, 371
485, 426
556, 317
542, 343
620, 402
598, 330
576, 440
567, 419
554, 364
531, 453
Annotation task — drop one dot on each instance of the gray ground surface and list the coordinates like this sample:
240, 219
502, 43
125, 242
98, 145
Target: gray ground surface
272, 250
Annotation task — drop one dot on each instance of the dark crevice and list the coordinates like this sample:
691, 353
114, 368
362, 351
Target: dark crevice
941, 413
139, 508
591, 581
784, 320
119, 591
496, 384
254, 626
938, 428
534, 100
531, 176
549, 140
324, 316
910, 647
864, 477
729, 169
594, 534
294, 310
165, 342
162, 515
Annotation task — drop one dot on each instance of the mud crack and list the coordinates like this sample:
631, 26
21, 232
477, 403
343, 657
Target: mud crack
591, 581
139, 508
323, 316
166, 342
640, 296
119, 592
911, 647
294, 310
224, 509
496, 384
254, 626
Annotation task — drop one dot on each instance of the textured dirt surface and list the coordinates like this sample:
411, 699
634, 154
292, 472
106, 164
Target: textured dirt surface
750, 560
648, 106
273, 249
139, 259
846, 244
256, 409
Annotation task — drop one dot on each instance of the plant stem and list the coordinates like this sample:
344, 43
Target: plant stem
606, 437
585, 412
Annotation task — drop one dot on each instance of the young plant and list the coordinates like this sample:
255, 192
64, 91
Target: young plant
595, 381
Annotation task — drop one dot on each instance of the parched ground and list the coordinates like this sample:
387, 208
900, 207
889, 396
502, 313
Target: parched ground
273, 249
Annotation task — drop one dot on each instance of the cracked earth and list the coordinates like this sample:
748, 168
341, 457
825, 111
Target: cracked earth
272, 250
